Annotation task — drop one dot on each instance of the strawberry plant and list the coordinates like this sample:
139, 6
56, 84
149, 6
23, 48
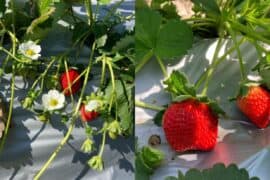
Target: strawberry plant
58, 82
191, 113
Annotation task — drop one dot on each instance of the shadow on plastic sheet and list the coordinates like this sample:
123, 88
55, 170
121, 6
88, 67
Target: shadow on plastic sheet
121, 146
17, 151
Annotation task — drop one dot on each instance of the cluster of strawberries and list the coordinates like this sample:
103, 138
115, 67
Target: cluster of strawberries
72, 78
192, 125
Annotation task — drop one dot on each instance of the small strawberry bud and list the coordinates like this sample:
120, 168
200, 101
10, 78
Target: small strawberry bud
88, 146
114, 129
96, 163
68, 79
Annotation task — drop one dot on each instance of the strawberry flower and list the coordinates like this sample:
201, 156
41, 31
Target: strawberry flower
54, 100
30, 50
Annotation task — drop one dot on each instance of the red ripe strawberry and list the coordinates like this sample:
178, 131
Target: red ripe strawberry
72, 75
190, 125
88, 115
256, 106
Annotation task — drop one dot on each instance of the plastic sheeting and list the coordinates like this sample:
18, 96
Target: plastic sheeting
239, 141
30, 142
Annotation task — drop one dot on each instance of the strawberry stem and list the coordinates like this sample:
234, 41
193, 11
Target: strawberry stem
145, 59
69, 82
103, 70
113, 83
103, 143
148, 106
10, 109
14, 40
212, 67
162, 66
221, 59
241, 63
88, 7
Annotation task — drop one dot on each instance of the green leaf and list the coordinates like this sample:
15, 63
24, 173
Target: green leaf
178, 84
140, 4
44, 6
209, 6
146, 161
40, 20
174, 38
217, 172
124, 44
124, 100
153, 38
80, 30
101, 41
152, 157
158, 118
148, 23
2, 8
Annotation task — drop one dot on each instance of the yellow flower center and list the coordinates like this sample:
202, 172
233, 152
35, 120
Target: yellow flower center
53, 102
30, 52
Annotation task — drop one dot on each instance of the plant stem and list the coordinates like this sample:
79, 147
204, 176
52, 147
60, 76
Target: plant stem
75, 80
10, 110
162, 66
13, 56
244, 29
145, 59
148, 106
113, 84
200, 19
69, 82
62, 143
13, 25
222, 58
212, 67
241, 63
102, 74
43, 74
103, 143
88, 7
71, 127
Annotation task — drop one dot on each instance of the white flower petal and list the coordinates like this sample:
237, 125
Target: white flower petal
36, 48
30, 49
35, 57
61, 98
53, 100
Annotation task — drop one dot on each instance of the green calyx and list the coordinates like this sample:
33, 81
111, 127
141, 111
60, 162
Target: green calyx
147, 160
244, 88
87, 146
96, 163
114, 129
181, 90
